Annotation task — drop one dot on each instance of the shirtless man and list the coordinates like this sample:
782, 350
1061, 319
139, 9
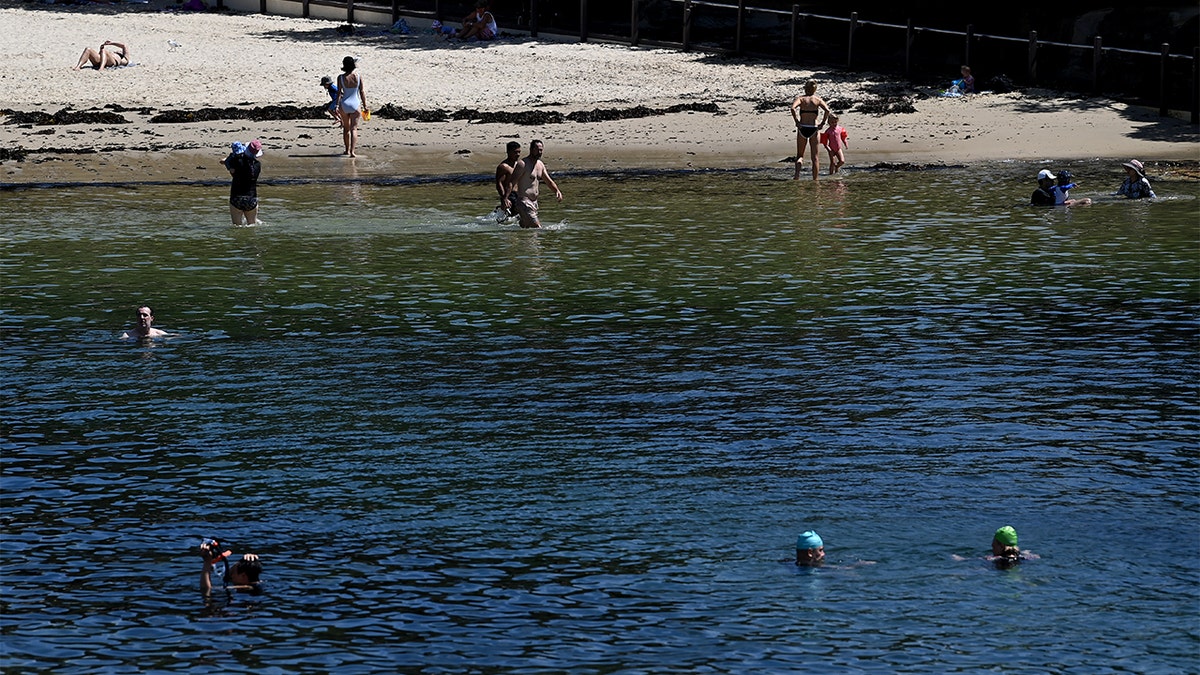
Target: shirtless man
804, 110
504, 173
525, 177
145, 317
104, 57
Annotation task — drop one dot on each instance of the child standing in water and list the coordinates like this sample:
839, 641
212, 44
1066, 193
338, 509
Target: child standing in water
835, 140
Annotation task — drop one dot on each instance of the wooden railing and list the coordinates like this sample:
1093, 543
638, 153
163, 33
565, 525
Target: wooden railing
1178, 76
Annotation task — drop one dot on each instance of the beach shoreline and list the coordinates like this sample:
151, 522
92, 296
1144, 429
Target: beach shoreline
269, 60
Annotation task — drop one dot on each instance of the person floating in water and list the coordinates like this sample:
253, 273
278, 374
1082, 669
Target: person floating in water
144, 328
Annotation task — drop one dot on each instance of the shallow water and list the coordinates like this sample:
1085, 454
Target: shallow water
464, 447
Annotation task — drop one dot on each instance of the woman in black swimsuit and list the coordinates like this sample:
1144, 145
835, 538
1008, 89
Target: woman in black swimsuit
805, 110
104, 57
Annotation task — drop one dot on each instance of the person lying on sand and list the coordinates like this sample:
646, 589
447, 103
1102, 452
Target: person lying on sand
105, 57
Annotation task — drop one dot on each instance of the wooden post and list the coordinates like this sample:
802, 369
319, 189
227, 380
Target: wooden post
583, 24
850, 40
262, 6
532, 18
1032, 56
633, 24
349, 11
395, 11
687, 24
795, 33
741, 20
1196, 85
1097, 52
910, 36
967, 52
1164, 65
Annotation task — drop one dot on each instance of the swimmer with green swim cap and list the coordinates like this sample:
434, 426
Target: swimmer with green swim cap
1005, 552
1006, 535
1003, 543
810, 549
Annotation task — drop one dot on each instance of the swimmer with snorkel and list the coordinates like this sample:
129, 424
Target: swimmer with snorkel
240, 576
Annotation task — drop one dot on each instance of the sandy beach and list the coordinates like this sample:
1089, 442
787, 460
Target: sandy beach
189, 61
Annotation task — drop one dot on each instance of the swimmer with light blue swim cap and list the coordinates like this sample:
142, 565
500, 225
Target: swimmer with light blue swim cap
810, 549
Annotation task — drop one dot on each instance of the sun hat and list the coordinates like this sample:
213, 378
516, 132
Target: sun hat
808, 539
1006, 535
325, 79
1136, 166
238, 147
255, 147
1045, 173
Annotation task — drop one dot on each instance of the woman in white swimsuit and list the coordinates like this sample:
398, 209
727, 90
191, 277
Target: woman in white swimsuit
352, 100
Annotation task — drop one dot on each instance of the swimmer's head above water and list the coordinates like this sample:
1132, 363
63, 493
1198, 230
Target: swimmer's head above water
810, 549
1004, 544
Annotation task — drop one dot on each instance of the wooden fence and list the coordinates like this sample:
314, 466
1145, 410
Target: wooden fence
1178, 75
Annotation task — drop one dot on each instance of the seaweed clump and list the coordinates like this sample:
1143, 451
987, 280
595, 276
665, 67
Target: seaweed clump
18, 154
911, 166
528, 118
267, 113
611, 114
887, 105
64, 116
395, 112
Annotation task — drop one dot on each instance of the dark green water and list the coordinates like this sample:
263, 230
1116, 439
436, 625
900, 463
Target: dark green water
463, 447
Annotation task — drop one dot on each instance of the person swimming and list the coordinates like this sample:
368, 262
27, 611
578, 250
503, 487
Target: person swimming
810, 549
1005, 550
